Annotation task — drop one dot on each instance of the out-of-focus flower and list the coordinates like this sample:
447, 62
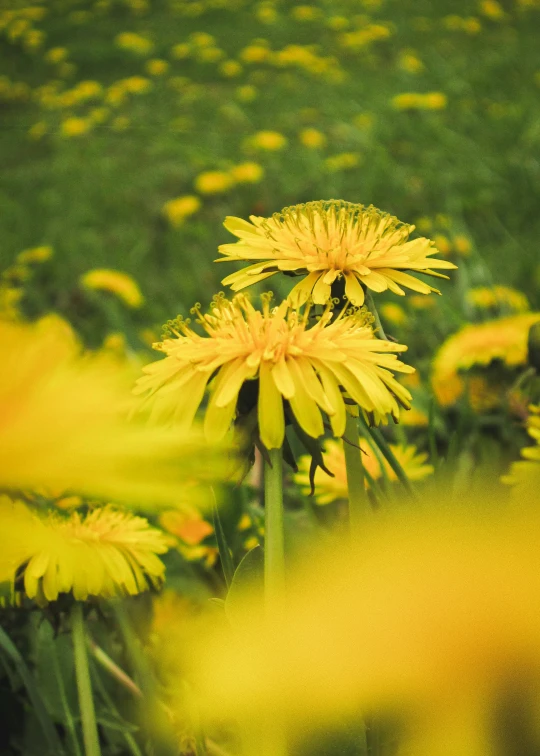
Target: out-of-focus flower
329, 241
116, 282
247, 93
230, 68
410, 62
271, 141
156, 67
330, 489
418, 101
35, 254
305, 13
75, 126
134, 43
63, 424
492, 9
180, 208
105, 553
255, 53
524, 476
213, 182
504, 339
312, 138
494, 297
247, 173
394, 314
191, 529
291, 360
56, 55
343, 161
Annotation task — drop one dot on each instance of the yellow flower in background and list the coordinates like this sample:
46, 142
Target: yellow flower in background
181, 51
329, 489
105, 553
312, 138
247, 173
410, 62
342, 162
524, 475
305, 13
38, 130
115, 282
63, 424
488, 297
504, 339
35, 254
213, 182
156, 67
247, 93
134, 43
416, 100
177, 210
136, 84
462, 245
120, 123
255, 53
271, 141
230, 68
328, 241
394, 314
56, 55
191, 529
74, 126
292, 359
492, 9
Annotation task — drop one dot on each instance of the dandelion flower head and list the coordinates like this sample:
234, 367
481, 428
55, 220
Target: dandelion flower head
105, 553
328, 242
265, 357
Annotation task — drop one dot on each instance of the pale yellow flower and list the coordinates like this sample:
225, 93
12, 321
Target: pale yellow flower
35, 254
312, 138
247, 173
116, 282
75, 127
134, 43
213, 182
329, 241
178, 209
268, 140
157, 67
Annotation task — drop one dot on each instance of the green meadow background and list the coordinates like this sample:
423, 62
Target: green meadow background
89, 174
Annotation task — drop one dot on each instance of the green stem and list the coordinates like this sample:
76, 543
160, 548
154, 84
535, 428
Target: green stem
274, 544
273, 740
358, 500
390, 457
370, 304
84, 684
68, 716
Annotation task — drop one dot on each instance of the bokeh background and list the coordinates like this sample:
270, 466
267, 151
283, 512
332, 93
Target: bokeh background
131, 128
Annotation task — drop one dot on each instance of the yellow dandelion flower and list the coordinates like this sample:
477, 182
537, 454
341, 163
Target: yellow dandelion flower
342, 161
247, 93
442, 243
136, 84
213, 182
63, 424
415, 418
56, 55
462, 245
268, 140
74, 126
394, 314
329, 489
435, 101
115, 282
291, 360
191, 529
524, 475
134, 43
157, 67
181, 51
328, 242
312, 138
305, 13
247, 173
230, 68
483, 395
105, 553
35, 254
504, 339
177, 210
492, 9
486, 297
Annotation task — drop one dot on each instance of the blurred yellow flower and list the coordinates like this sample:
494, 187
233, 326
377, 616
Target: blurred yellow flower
487, 297
202, 39
435, 101
342, 162
337, 23
181, 51
504, 339
190, 529
247, 173
115, 282
394, 314
462, 245
524, 475
120, 123
178, 209
410, 62
156, 67
35, 254
291, 360
136, 84
56, 55
329, 489
329, 241
74, 126
63, 424
305, 13
416, 100
268, 140
38, 130
492, 9
105, 553
213, 182
312, 138
230, 68
247, 93
442, 243
134, 43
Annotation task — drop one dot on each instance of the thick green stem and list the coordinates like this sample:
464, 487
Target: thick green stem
84, 684
273, 738
274, 546
358, 501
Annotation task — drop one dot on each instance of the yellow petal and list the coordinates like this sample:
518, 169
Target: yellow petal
305, 408
270, 410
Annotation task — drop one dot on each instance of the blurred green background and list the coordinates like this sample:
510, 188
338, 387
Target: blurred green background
113, 108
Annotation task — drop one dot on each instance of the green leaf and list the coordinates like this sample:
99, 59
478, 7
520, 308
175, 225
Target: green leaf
38, 705
249, 575
224, 552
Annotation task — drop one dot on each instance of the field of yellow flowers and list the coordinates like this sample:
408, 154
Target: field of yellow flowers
270, 386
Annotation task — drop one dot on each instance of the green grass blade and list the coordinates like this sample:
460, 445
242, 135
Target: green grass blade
224, 552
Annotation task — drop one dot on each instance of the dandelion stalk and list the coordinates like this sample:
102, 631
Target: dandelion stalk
358, 501
84, 684
274, 740
370, 304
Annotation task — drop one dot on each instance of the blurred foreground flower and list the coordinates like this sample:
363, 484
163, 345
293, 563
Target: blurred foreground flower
115, 282
290, 358
524, 476
104, 553
63, 424
504, 339
329, 489
429, 613
329, 242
